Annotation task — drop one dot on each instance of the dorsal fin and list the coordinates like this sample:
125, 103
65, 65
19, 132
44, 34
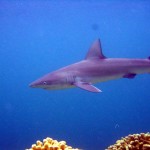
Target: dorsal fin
95, 51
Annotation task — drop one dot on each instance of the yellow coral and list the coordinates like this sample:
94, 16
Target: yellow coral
132, 142
50, 144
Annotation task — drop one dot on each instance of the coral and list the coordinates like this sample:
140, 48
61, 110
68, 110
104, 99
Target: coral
50, 144
132, 142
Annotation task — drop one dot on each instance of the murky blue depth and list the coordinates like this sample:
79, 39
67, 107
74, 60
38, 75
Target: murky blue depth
37, 37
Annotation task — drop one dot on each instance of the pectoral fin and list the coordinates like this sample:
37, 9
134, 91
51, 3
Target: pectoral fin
87, 86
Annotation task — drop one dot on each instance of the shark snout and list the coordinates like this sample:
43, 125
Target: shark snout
38, 84
32, 85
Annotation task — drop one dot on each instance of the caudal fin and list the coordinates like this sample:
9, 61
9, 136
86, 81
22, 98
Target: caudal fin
149, 59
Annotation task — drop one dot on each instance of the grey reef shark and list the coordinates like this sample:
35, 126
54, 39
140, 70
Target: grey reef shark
93, 69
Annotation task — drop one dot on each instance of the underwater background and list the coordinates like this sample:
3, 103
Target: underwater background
37, 37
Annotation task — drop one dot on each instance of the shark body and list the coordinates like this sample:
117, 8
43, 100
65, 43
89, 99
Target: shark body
93, 69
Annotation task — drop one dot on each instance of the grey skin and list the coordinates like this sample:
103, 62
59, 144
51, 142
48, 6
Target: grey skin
93, 69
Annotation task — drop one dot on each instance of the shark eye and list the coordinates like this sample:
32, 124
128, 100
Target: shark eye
44, 82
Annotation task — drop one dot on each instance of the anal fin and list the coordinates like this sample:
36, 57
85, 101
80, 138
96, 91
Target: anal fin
87, 86
129, 76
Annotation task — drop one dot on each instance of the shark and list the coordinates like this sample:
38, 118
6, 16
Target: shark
95, 68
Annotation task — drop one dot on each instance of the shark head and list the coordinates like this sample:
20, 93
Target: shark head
51, 81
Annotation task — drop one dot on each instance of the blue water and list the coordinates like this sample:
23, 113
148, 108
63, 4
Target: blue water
37, 37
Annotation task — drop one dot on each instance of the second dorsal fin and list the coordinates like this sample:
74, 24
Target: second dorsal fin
95, 51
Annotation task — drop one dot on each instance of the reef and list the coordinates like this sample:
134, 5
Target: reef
132, 142
50, 144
